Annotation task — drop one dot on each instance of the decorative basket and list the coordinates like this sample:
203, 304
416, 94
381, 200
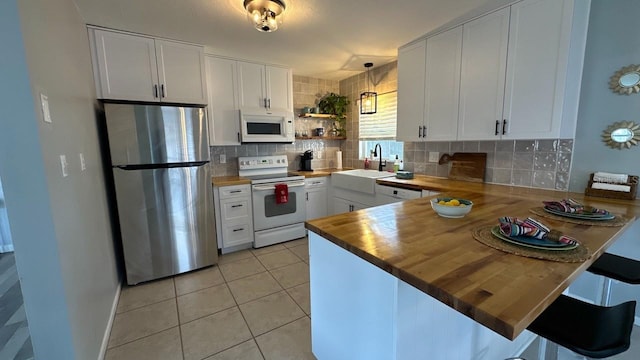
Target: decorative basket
632, 182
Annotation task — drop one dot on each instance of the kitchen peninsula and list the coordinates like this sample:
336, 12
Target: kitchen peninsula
399, 282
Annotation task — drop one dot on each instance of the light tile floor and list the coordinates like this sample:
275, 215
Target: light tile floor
253, 305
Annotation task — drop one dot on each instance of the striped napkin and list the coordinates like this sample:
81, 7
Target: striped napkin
573, 207
510, 226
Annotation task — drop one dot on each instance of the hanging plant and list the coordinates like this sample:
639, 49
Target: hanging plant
336, 105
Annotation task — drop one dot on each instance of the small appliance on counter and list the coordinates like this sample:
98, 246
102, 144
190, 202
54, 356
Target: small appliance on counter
305, 160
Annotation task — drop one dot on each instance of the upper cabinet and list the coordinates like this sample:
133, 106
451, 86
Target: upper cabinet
265, 86
224, 116
140, 68
428, 87
519, 75
484, 61
411, 80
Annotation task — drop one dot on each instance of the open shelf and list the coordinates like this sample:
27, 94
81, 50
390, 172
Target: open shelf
314, 115
321, 138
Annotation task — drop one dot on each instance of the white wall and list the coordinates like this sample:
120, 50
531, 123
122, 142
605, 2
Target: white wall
60, 226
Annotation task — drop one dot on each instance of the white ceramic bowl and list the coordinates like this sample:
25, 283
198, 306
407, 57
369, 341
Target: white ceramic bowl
451, 211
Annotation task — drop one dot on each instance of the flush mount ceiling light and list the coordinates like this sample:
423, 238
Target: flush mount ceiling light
265, 15
368, 99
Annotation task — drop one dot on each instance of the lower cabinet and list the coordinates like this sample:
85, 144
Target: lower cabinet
234, 220
342, 205
316, 196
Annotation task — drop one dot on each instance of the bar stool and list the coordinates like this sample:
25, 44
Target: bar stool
615, 267
590, 330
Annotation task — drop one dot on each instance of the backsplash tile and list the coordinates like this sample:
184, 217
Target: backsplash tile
543, 163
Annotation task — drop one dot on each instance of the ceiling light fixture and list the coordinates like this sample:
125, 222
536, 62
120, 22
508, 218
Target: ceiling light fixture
368, 99
265, 15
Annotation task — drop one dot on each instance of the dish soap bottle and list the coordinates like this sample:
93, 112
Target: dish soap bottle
396, 165
367, 164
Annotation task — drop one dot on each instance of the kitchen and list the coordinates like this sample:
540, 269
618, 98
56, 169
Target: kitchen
87, 299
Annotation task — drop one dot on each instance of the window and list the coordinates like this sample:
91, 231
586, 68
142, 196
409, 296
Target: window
380, 128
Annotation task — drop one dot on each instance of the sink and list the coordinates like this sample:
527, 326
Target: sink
358, 180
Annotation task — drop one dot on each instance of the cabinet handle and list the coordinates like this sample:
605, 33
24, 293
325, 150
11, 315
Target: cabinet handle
350, 207
238, 137
269, 103
236, 230
424, 131
419, 132
162, 90
307, 196
265, 103
497, 125
155, 91
504, 126
235, 191
235, 206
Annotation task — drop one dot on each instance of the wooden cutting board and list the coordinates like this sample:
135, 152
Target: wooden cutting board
468, 166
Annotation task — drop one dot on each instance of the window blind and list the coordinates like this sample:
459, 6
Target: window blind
382, 124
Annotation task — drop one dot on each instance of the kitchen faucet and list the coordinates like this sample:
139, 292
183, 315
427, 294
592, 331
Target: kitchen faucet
375, 153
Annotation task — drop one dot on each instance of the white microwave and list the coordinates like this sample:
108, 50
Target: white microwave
261, 126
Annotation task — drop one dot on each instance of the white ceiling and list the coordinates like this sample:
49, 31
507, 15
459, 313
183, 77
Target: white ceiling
327, 39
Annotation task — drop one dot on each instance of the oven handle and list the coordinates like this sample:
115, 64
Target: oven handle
267, 187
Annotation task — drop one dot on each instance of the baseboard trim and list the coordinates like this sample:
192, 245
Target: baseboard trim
107, 331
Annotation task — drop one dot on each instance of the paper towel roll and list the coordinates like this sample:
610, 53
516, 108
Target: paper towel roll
338, 159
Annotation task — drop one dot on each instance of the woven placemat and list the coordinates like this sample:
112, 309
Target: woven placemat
483, 235
619, 220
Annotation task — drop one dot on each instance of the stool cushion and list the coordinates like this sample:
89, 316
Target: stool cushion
617, 267
587, 329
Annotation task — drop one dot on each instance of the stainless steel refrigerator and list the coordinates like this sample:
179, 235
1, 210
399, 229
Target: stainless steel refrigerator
160, 161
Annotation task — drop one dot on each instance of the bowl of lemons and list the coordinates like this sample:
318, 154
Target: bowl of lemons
451, 207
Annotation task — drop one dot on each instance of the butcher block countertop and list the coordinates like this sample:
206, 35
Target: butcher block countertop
317, 173
229, 180
439, 256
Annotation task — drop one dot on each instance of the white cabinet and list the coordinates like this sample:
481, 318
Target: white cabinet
233, 213
316, 193
411, 88
132, 67
517, 89
519, 78
484, 60
442, 86
428, 88
341, 205
224, 116
265, 86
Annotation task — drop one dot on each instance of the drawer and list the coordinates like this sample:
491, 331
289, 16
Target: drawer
315, 182
227, 192
238, 234
398, 192
235, 208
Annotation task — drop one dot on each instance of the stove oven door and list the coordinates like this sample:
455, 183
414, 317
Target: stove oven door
267, 214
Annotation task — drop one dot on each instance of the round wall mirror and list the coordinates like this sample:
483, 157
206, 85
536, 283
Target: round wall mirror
622, 135
626, 80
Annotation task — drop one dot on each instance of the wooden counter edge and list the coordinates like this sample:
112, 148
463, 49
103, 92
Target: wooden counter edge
229, 180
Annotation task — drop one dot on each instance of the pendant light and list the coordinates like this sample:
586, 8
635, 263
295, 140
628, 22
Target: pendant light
265, 15
368, 99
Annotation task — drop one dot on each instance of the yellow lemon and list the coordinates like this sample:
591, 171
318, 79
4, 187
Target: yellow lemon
454, 202
441, 202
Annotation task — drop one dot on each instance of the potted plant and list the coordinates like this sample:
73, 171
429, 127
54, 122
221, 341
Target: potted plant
336, 105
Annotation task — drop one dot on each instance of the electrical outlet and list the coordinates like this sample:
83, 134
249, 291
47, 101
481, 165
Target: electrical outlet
434, 156
83, 164
46, 114
223, 159
63, 165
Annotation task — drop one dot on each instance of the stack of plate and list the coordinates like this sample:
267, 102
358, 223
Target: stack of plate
532, 242
588, 216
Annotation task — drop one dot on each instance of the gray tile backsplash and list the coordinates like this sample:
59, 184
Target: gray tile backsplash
544, 163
